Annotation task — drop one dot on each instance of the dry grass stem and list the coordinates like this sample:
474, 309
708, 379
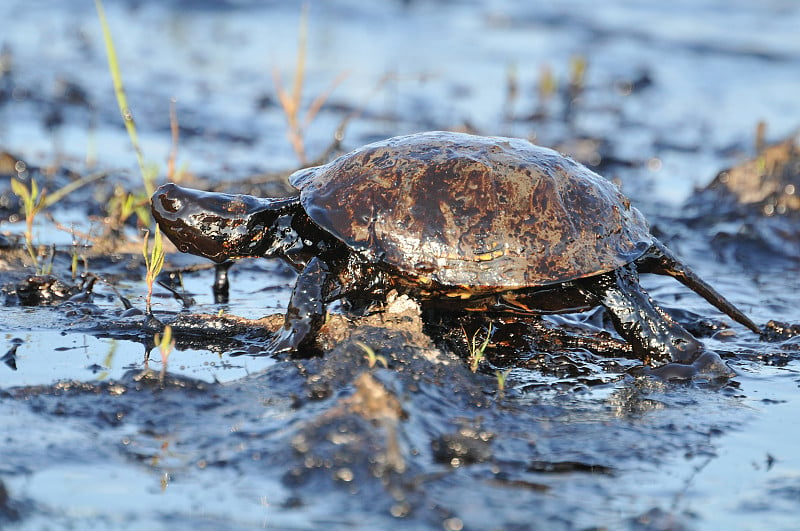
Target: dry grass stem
291, 100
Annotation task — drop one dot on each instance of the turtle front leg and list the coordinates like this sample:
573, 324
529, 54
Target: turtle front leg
221, 286
654, 335
306, 311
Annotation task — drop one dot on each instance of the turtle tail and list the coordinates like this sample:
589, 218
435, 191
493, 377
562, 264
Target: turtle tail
660, 260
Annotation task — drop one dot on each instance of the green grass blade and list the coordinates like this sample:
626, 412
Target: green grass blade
70, 187
122, 101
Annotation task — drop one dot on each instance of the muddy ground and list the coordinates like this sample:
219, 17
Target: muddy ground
387, 426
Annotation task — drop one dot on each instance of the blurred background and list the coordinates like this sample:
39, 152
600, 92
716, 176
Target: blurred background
631, 87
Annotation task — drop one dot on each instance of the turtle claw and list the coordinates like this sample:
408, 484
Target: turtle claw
709, 366
282, 342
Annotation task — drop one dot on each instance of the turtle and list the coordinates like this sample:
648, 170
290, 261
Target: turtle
457, 222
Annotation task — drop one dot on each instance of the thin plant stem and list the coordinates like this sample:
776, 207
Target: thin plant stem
154, 262
122, 100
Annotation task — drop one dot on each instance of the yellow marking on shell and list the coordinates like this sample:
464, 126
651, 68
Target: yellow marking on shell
491, 255
459, 294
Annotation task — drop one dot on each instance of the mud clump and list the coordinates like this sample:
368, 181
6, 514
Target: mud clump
357, 436
786, 336
768, 184
8, 509
778, 331
752, 211
465, 447
376, 387
43, 289
391, 342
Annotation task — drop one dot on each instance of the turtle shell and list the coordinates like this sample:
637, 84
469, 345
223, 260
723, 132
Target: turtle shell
470, 211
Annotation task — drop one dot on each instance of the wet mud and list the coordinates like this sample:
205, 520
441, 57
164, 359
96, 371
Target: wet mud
753, 209
384, 423
385, 426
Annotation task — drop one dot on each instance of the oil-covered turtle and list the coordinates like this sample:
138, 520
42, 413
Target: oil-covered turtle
457, 221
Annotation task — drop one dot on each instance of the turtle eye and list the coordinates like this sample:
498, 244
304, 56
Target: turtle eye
170, 204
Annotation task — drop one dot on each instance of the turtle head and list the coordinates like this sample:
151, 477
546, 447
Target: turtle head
220, 226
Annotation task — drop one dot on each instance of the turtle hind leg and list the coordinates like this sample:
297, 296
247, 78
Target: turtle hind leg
306, 311
660, 260
654, 336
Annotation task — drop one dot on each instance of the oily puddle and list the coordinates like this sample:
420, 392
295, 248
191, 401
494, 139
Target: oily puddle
757, 466
46, 357
98, 342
